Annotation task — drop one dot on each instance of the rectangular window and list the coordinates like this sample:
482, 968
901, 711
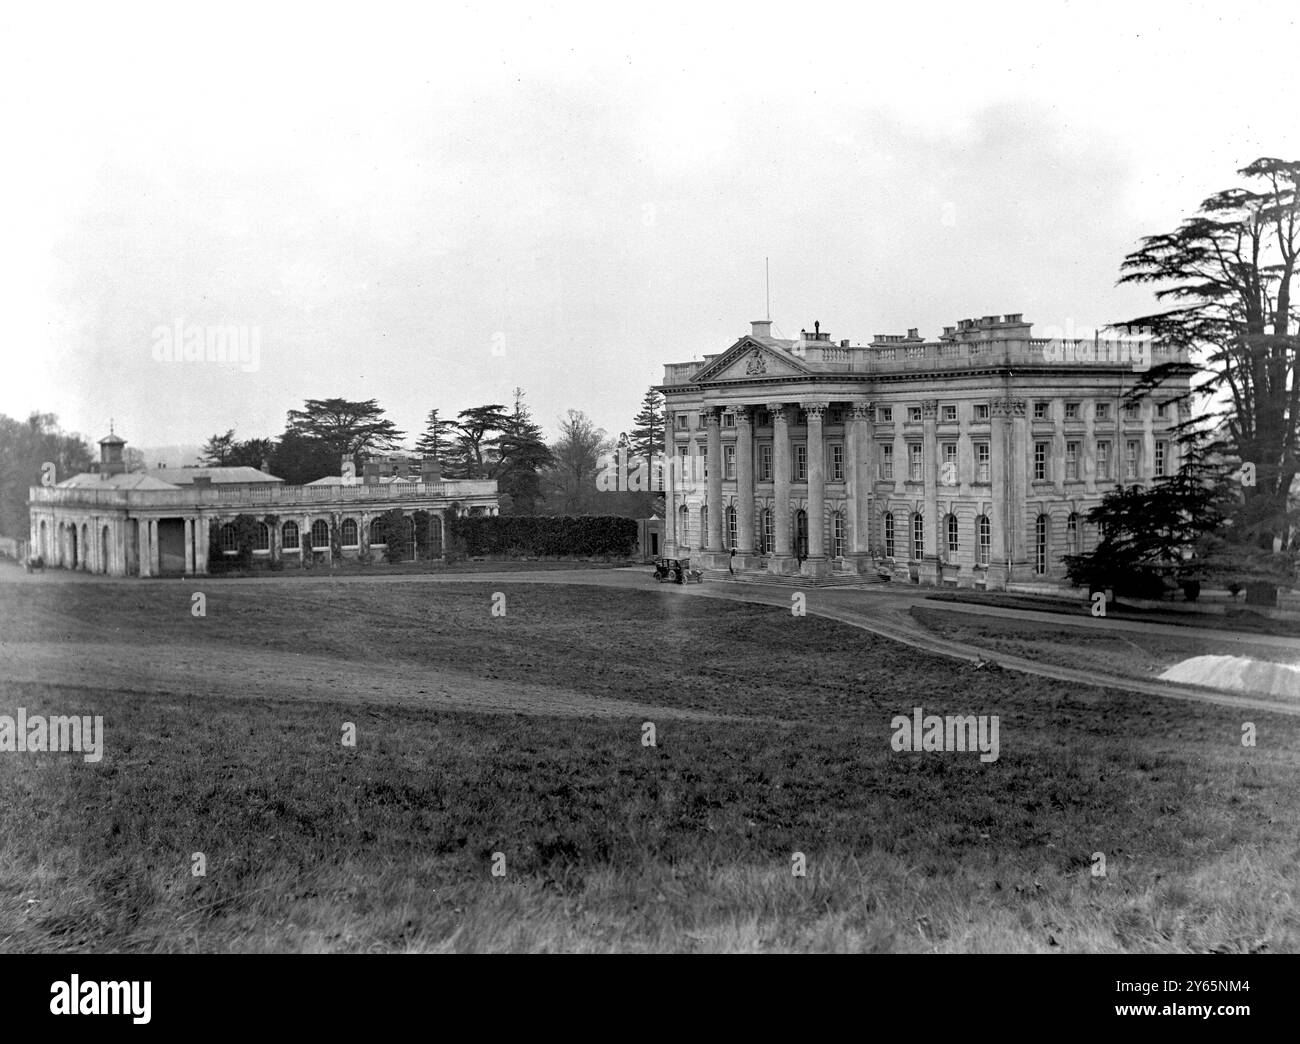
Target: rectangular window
1102, 411
885, 415
982, 411
684, 463
1162, 410
914, 415
918, 537
887, 461
983, 462
950, 453
1040, 411
704, 461
765, 462
682, 421
800, 463
728, 419
954, 541
729, 462
915, 462
1130, 459
985, 540
837, 463
1103, 460
1160, 458
763, 419
1040, 461
1072, 461
889, 535
950, 413
837, 535
1071, 411
1131, 412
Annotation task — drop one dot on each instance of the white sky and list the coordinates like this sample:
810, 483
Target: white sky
430, 205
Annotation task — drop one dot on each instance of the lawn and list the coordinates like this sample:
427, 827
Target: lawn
1122, 653
772, 738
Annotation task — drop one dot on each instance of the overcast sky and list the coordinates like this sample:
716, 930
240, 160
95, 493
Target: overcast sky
430, 206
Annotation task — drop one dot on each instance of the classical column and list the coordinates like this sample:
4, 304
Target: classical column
859, 482
744, 480
713, 487
201, 551
782, 551
670, 487
1007, 491
933, 528
189, 546
816, 562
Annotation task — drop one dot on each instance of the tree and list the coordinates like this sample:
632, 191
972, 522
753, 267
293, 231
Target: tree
523, 454
437, 434
474, 451
647, 437
299, 459
25, 446
251, 453
344, 427
571, 479
216, 451
1230, 268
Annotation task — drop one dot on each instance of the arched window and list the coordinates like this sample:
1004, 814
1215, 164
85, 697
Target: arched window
918, 535
1040, 545
769, 532
320, 535
229, 540
349, 532
377, 534
889, 534
683, 527
985, 543
262, 537
1072, 534
289, 537
837, 534
954, 535
731, 526
801, 533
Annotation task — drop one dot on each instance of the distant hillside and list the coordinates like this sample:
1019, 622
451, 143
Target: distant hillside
170, 456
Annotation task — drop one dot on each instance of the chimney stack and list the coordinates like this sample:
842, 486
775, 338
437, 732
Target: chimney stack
430, 470
370, 472
762, 328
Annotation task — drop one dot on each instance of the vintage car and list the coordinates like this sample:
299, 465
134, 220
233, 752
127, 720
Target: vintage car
676, 571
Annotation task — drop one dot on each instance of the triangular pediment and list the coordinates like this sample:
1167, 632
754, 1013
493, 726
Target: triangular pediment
749, 360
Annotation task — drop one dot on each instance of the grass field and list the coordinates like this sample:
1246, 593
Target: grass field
1123, 653
772, 738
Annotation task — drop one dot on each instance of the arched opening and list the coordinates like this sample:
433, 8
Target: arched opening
85, 547
889, 534
801, 533
42, 547
320, 535
348, 533
289, 539
1041, 525
262, 537
229, 539
683, 528
731, 527
435, 536
376, 534
103, 550
984, 544
954, 535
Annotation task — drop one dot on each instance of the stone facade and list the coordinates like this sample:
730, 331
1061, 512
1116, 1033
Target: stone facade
136, 524
970, 460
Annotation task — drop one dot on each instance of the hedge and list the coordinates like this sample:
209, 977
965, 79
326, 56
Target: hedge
544, 534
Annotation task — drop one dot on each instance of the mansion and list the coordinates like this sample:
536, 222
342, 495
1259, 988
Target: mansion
969, 460
160, 522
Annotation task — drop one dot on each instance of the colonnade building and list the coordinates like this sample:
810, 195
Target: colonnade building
160, 522
969, 460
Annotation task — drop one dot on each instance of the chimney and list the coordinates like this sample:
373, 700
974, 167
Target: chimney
912, 334
370, 472
762, 327
844, 343
430, 470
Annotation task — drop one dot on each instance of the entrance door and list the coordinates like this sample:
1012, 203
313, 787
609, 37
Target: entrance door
171, 545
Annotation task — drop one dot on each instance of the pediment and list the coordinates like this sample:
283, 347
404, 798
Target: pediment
749, 360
